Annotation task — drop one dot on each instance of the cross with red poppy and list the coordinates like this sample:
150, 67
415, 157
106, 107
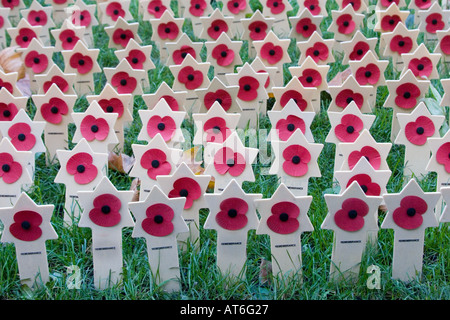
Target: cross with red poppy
28, 226
83, 15
359, 6
410, 212
369, 70
179, 49
215, 24
22, 34
232, 213
304, 24
5, 23
238, 9
278, 9
255, 28
59, 14
284, 217
345, 22
387, 19
176, 100
422, 63
319, 49
218, 91
64, 81
9, 82
433, 19
193, 10
352, 215
159, 220
10, 104
39, 15
153, 9
125, 79
167, 28
357, 47
121, 32
111, 11
106, 213
294, 90
439, 160
316, 7
14, 10
443, 45
68, 35
351, 91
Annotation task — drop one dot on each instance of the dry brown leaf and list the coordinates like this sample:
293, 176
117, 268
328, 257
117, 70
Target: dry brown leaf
265, 269
11, 61
120, 162
135, 187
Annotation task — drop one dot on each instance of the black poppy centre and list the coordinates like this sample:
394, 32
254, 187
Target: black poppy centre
94, 128
80, 168
232, 213
106, 209
352, 214
296, 159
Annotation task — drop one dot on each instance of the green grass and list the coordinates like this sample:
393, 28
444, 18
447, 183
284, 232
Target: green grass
200, 280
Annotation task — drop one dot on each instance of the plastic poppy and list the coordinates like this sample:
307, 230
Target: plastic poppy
114, 10
410, 213
82, 63
312, 6
228, 161
417, 132
284, 218
2, 22
159, 220
82, 18
351, 216
371, 154
359, 51
136, 59
421, 67
197, 7
165, 126
68, 39
369, 74
26, 226
356, 4
221, 96
7, 111
106, 211
443, 156
346, 96
21, 136
444, 44
155, 161
248, 88
296, 159
236, 6
407, 94
216, 130
156, 8
81, 167
10, 3
123, 82
179, 55
286, 127
216, 28
168, 30
387, 3
349, 128
171, 101
388, 22
258, 30
187, 188
345, 24
54, 110
310, 78
305, 27
318, 52
401, 44
434, 23
223, 55
293, 95
8, 86
191, 78
93, 128
113, 105
275, 6
232, 214
23, 39
122, 36
271, 53
37, 18
423, 4
60, 82
365, 182
10, 170
36, 61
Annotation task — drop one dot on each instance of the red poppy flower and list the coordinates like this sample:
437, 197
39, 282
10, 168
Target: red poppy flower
21, 136
310, 78
266, 85
221, 96
92, 128
305, 27
365, 182
248, 88
421, 67
123, 82
387, 3
401, 44
434, 23
409, 214
236, 6
7, 111
59, 1
312, 6
359, 51
112, 105
407, 94
444, 44
345, 24
187, 188
258, 30
165, 126
159, 220
232, 214
54, 110
371, 154
443, 156
197, 7
286, 127
106, 211
223, 55
122, 36
10, 170
275, 6
179, 55
351, 216
37, 18
2, 22
37, 62
369, 74
216, 130
346, 96
356, 4
272, 53
284, 218
388, 23
10, 3
171, 101
296, 96
82, 63
216, 28
26, 226
155, 161
318, 52
423, 4
60, 82
81, 18
136, 59
156, 8
114, 10
191, 78
81, 167
168, 30
68, 39
226, 160
296, 159
8, 86
349, 128
23, 39
417, 132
